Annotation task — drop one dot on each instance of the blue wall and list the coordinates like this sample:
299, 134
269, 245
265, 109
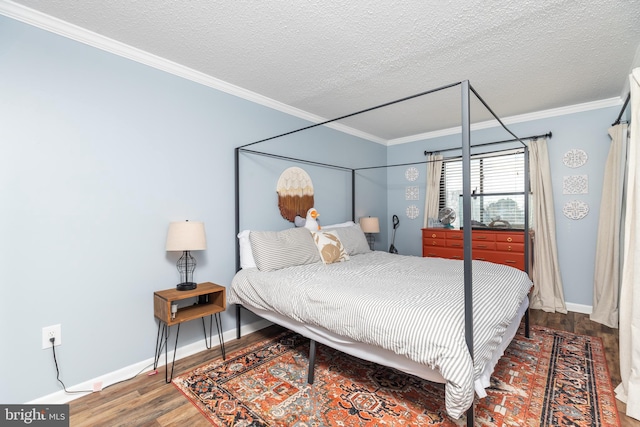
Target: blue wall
576, 238
97, 155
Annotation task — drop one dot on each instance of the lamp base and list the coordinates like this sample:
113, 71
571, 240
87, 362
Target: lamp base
186, 286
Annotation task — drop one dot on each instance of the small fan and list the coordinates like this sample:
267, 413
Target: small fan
446, 216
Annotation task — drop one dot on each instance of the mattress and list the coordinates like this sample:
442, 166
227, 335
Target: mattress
410, 308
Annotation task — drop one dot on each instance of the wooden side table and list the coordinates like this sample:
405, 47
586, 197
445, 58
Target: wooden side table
210, 300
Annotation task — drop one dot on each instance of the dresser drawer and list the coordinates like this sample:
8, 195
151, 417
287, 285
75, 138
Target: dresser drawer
454, 235
455, 243
434, 242
504, 236
510, 247
497, 246
483, 245
506, 258
482, 236
432, 234
439, 252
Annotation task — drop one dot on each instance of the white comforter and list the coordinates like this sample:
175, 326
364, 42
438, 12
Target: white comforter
409, 305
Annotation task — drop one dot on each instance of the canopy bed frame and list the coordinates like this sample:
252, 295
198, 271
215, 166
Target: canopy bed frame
466, 146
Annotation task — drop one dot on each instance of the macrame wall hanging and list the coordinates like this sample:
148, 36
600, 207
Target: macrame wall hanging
295, 193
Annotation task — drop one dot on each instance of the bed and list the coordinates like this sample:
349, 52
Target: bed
358, 305
446, 321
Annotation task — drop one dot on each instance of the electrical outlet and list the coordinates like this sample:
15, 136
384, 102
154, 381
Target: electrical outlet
49, 332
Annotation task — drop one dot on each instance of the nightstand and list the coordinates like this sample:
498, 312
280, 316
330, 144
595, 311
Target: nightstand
208, 298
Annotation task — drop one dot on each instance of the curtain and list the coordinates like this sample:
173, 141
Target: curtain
629, 390
606, 281
432, 192
547, 292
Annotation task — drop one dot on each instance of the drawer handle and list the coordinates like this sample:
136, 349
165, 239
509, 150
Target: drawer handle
433, 235
456, 245
482, 246
431, 254
433, 243
509, 239
481, 259
482, 237
456, 257
509, 247
509, 261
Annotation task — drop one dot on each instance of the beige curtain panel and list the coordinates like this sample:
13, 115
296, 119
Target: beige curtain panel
547, 294
606, 281
432, 192
629, 390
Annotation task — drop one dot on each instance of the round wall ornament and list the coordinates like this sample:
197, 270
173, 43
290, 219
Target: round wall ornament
575, 158
575, 209
411, 174
412, 212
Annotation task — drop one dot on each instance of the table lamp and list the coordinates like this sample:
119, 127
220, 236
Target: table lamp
370, 225
186, 236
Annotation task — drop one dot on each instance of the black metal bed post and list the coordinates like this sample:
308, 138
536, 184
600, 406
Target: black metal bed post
237, 246
466, 219
353, 195
527, 236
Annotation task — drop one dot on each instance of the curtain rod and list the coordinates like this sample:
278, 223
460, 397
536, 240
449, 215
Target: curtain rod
546, 135
624, 107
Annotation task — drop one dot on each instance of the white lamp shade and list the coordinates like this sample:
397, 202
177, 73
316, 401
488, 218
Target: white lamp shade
186, 236
370, 224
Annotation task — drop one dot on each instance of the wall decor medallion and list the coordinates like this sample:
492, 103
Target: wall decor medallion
575, 184
575, 158
413, 212
411, 174
575, 209
412, 193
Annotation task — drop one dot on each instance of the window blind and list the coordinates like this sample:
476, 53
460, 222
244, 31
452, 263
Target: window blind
494, 175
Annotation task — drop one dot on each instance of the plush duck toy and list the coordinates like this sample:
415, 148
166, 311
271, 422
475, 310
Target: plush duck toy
310, 221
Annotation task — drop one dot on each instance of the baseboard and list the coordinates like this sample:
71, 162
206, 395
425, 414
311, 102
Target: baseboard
579, 308
128, 372
60, 397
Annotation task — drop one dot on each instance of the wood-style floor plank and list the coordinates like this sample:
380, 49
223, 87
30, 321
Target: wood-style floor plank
148, 401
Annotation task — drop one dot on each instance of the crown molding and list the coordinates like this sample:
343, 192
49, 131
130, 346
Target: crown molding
82, 35
545, 114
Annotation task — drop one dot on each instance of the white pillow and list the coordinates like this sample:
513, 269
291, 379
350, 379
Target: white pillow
340, 225
246, 254
329, 246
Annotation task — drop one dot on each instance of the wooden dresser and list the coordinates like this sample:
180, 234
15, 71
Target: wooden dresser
499, 246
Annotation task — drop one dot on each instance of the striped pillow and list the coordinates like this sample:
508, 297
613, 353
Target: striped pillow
329, 246
353, 239
273, 250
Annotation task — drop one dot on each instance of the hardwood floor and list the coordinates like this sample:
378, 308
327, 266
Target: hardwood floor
148, 401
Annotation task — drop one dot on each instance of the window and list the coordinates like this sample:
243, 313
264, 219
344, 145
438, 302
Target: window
498, 179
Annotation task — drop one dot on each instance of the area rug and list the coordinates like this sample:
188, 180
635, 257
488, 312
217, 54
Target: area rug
554, 378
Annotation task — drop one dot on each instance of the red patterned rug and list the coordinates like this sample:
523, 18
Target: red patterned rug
554, 378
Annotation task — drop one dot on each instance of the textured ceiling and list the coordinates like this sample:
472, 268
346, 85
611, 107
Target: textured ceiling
333, 57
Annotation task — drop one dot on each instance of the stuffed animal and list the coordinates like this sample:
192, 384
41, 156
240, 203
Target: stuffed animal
310, 221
